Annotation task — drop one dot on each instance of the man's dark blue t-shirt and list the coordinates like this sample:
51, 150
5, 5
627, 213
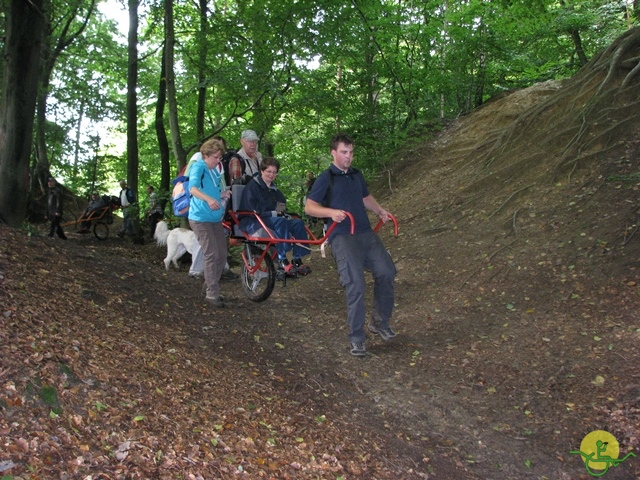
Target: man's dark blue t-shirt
349, 188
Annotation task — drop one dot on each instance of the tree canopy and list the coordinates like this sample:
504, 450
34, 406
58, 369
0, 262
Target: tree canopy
296, 72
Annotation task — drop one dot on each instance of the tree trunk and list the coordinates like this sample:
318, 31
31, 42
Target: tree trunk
202, 62
132, 115
41, 168
25, 24
76, 145
161, 134
132, 99
480, 81
169, 38
577, 41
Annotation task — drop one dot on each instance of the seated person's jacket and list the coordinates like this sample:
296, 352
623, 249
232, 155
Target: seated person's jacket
94, 205
258, 198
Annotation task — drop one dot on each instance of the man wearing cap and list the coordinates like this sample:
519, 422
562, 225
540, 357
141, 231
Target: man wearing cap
54, 208
252, 157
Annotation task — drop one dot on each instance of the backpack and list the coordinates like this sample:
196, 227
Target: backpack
112, 202
180, 196
226, 158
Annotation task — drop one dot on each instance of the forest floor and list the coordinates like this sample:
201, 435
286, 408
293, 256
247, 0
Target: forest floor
517, 321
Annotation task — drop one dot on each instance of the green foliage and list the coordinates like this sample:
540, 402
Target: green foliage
49, 396
628, 180
376, 70
86, 91
28, 228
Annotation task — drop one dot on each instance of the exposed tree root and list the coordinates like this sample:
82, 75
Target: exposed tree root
508, 199
603, 92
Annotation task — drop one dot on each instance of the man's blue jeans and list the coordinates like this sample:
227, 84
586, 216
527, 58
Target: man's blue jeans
353, 255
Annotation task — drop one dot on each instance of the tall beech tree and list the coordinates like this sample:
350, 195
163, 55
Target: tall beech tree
169, 40
132, 98
161, 132
24, 36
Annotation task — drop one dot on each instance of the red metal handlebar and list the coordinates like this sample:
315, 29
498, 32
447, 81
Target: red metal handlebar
395, 225
271, 239
314, 241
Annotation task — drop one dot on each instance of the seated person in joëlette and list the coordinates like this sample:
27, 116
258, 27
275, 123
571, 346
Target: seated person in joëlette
96, 203
261, 195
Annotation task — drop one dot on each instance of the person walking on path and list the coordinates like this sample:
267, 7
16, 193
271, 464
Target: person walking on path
154, 212
127, 199
197, 260
206, 214
339, 189
55, 209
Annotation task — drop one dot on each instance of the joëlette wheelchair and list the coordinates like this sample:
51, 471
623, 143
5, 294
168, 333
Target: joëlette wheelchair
258, 274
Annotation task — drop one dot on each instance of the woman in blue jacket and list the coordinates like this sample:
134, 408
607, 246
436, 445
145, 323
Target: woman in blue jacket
205, 216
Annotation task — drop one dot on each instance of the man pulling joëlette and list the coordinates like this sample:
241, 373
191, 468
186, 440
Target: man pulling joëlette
337, 190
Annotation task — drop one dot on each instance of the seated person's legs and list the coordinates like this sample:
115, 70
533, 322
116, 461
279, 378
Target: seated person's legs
86, 225
281, 229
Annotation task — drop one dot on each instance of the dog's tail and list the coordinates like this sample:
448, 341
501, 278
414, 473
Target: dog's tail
162, 232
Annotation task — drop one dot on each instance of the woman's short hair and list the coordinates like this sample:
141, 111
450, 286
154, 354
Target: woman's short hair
269, 162
210, 147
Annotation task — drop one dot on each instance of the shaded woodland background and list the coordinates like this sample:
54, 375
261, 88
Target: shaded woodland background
296, 72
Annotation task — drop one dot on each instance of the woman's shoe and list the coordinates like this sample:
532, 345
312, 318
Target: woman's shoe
217, 302
301, 268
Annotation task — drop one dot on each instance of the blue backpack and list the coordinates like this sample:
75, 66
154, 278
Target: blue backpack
180, 197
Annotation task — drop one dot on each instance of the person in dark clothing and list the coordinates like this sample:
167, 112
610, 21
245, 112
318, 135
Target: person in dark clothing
54, 209
261, 195
339, 189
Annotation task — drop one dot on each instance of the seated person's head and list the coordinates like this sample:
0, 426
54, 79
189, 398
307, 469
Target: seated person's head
269, 169
270, 162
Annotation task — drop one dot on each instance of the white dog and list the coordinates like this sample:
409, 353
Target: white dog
178, 241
